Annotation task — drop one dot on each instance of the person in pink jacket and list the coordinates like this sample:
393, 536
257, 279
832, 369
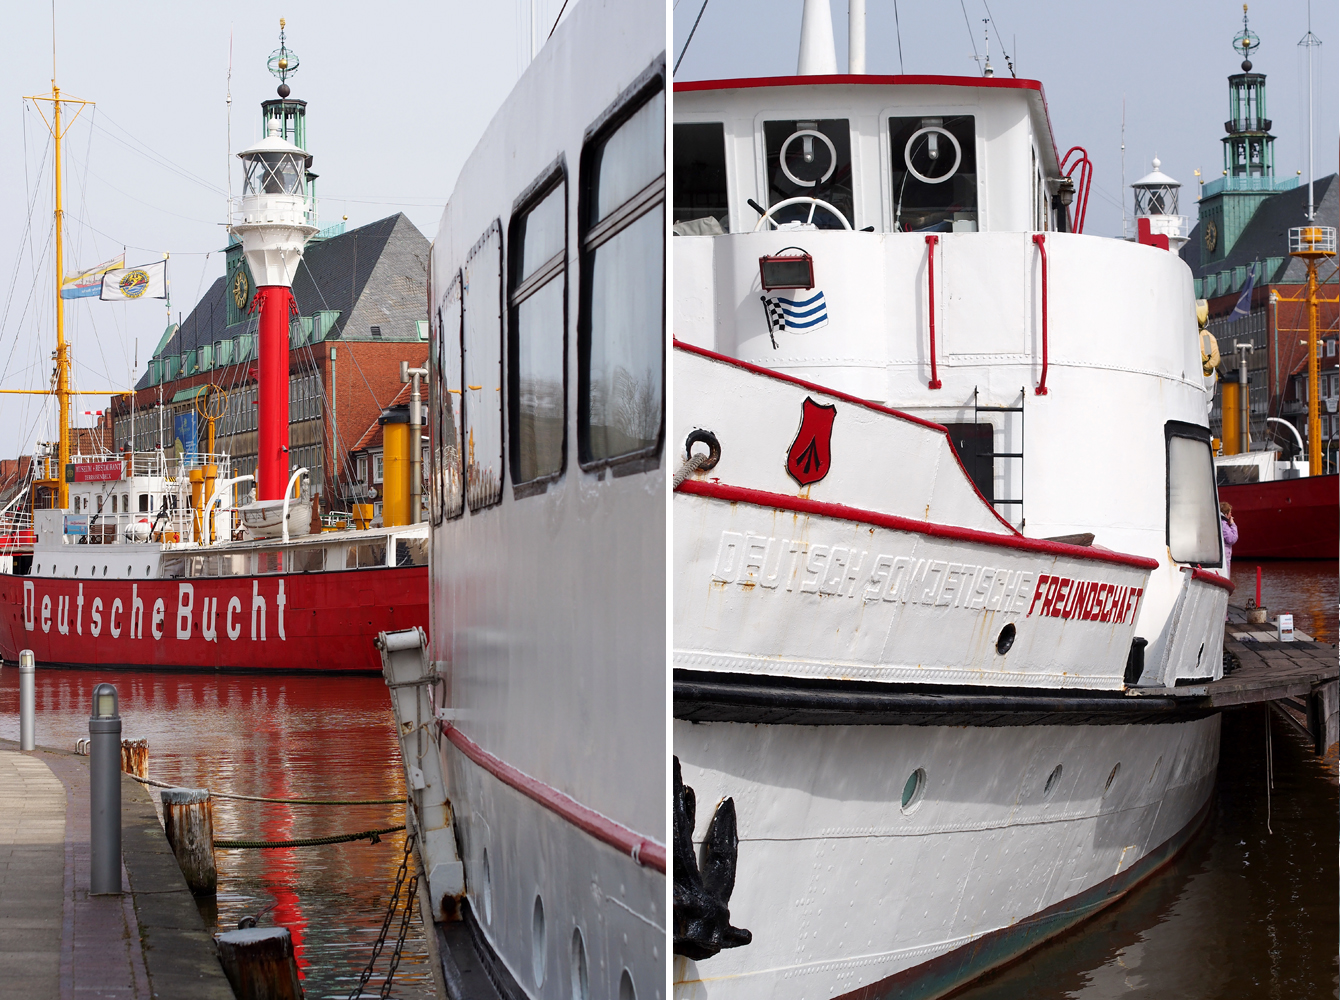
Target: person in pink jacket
1230, 530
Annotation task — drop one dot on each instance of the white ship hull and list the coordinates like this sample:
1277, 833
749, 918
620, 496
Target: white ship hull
882, 901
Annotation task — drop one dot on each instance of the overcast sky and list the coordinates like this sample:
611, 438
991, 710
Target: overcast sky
398, 94
1169, 60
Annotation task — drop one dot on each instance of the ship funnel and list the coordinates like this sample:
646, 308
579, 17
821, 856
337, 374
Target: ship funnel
818, 54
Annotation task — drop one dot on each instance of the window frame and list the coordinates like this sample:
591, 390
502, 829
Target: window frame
553, 178
1178, 428
648, 84
439, 398
494, 226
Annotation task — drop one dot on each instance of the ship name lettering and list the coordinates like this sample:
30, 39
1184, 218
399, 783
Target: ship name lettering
136, 613
234, 606
95, 619
29, 597
160, 613
46, 612
748, 560
209, 612
112, 627
63, 614
185, 604
79, 615
1085, 600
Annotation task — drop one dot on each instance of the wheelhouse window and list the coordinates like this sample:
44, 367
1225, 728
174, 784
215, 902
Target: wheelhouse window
1194, 534
621, 345
447, 490
934, 174
810, 159
481, 281
537, 340
700, 206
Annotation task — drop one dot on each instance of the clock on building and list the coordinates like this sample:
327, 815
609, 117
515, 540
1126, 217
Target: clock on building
1211, 236
241, 289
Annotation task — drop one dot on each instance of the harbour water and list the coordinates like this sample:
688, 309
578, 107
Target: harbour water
1249, 911
294, 736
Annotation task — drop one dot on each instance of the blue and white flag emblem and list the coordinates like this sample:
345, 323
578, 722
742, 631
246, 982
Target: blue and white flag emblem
796, 315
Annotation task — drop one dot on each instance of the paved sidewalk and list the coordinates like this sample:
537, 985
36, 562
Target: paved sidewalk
32, 866
56, 939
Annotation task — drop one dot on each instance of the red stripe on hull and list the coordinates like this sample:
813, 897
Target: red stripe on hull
1286, 518
329, 620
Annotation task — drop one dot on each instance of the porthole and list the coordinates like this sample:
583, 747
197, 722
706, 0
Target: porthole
581, 982
147, 569
1006, 639
104, 571
913, 789
76, 571
537, 948
1052, 780
487, 893
626, 990
39, 567
129, 570
1112, 776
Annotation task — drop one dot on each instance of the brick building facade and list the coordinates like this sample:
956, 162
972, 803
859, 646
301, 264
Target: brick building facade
361, 306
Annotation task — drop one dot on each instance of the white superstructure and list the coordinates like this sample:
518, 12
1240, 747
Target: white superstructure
961, 531
548, 473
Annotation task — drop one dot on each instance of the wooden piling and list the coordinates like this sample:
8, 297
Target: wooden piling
259, 963
135, 757
188, 820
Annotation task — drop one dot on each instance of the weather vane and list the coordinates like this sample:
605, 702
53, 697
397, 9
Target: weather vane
1247, 41
283, 62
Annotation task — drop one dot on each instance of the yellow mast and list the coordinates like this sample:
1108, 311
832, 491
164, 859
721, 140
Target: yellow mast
1312, 243
63, 392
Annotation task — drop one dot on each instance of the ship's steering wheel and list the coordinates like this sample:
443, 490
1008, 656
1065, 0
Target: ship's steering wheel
802, 200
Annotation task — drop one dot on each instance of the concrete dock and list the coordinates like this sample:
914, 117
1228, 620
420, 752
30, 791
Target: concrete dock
58, 942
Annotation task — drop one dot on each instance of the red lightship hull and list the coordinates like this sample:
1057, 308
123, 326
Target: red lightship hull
284, 622
1286, 518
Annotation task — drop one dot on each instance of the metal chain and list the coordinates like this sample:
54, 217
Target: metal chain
400, 938
386, 926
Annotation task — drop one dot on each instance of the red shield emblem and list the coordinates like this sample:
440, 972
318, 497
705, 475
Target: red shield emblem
810, 457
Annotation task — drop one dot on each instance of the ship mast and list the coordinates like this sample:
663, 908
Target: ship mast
58, 127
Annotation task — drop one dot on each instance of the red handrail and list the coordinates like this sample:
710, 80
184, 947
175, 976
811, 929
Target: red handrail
1040, 240
931, 240
1085, 168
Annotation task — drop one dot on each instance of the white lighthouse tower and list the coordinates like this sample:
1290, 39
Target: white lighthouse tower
274, 225
1156, 207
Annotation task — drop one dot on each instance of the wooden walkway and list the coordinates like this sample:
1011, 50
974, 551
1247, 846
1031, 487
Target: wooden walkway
1301, 678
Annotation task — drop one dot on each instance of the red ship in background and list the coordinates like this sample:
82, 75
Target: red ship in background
1281, 511
146, 559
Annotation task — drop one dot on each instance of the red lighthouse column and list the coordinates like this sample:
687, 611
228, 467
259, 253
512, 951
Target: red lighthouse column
272, 456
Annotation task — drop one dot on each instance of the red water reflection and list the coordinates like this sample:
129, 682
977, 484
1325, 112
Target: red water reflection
1309, 589
280, 736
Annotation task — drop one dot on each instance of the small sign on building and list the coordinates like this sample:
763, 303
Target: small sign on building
94, 472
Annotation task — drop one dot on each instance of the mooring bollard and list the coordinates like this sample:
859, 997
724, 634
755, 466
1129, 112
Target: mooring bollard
259, 963
135, 757
188, 820
104, 781
27, 700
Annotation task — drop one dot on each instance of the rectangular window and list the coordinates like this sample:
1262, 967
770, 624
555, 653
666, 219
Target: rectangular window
934, 174
537, 341
411, 552
366, 556
376, 468
621, 331
362, 468
1194, 535
311, 559
447, 492
1330, 348
269, 562
482, 342
700, 202
810, 159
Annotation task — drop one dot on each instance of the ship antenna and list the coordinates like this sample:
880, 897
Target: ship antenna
1310, 42
228, 100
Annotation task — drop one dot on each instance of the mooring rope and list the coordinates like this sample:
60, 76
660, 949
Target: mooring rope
370, 835
292, 802
689, 467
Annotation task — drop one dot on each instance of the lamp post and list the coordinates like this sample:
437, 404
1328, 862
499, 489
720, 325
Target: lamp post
273, 227
104, 787
27, 700
415, 439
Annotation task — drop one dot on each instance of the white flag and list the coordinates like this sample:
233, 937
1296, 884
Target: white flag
147, 282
